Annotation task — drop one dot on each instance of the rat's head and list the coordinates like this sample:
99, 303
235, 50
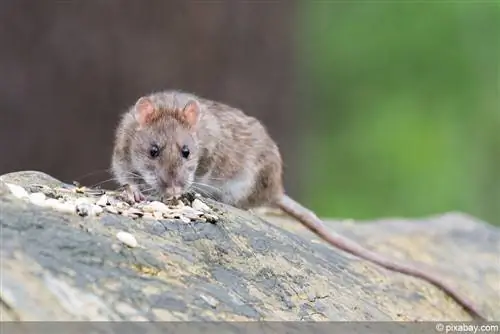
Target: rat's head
165, 146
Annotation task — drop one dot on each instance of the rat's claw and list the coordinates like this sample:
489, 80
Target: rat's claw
138, 196
133, 195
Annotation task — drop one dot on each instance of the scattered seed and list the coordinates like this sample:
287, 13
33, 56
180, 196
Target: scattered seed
133, 213
127, 238
156, 206
191, 216
80, 190
111, 209
96, 210
103, 200
83, 209
136, 212
200, 206
158, 215
211, 218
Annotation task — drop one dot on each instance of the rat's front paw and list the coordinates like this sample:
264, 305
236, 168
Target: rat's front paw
133, 195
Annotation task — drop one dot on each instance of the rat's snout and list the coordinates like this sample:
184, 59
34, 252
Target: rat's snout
171, 187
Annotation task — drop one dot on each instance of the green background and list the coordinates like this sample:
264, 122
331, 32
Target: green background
404, 107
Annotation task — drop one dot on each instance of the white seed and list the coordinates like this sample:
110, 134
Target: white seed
169, 215
96, 210
136, 212
211, 218
83, 209
127, 238
157, 206
17, 191
111, 209
133, 213
103, 201
200, 206
192, 214
190, 211
37, 199
121, 206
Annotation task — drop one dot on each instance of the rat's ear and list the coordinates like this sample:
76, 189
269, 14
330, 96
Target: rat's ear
144, 109
191, 113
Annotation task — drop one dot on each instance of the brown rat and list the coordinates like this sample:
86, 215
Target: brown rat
171, 142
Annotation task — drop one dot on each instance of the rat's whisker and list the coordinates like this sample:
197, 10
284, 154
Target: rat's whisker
218, 189
204, 192
107, 170
113, 179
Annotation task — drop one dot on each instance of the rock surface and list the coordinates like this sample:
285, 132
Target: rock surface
61, 266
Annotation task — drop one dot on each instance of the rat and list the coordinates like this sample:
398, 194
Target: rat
172, 142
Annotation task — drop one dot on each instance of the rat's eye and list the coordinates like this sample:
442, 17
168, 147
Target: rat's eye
154, 151
185, 151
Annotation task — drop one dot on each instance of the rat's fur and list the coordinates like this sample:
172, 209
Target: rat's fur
245, 175
233, 160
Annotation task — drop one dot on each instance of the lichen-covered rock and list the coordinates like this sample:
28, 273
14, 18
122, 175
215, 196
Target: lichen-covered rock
63, 266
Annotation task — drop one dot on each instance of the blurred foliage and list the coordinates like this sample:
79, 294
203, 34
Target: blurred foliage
405, 105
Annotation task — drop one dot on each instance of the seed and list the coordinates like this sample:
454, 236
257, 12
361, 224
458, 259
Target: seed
111, 209
199, 205
96, 210
83, 209
159, 206
211, 218
127, 238
133, 213
103, 201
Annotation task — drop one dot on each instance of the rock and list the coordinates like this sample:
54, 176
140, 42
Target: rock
17, 191
58, 266
37, 199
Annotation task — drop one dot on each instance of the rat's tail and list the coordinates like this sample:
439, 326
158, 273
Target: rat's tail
313, 223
